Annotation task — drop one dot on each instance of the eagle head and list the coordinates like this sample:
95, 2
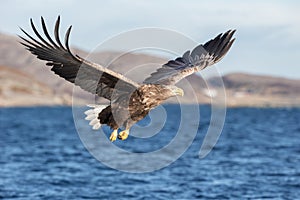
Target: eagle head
171, 90
154, 94
174, 91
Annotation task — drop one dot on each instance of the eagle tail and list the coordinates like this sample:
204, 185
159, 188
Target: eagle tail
92, 115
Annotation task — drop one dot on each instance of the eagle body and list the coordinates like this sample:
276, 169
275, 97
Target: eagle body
127, 109
129, 101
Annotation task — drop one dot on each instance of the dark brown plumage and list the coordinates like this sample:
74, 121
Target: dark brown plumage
129, 101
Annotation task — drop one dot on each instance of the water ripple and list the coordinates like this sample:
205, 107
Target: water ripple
257, 157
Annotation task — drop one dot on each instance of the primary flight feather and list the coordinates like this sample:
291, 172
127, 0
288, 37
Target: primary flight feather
129, 101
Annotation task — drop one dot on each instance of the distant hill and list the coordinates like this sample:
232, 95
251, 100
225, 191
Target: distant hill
255, 90
26, 80
20, 89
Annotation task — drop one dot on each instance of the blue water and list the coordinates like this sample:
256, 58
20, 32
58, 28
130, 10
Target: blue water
256, 157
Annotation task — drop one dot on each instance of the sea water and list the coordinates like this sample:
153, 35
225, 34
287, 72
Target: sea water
257, 156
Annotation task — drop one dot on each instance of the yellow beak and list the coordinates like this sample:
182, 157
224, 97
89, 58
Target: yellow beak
179, 92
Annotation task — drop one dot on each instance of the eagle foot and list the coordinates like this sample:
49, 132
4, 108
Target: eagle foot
123, 135
114, 135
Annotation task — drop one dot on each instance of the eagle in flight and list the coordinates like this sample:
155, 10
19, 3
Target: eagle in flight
129, 101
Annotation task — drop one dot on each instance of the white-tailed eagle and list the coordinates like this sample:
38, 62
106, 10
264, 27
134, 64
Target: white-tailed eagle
129, 101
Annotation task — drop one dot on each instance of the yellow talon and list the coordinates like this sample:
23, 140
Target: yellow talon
123, 135
114, 135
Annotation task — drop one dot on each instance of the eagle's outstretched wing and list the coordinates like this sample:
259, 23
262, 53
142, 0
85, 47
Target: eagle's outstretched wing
201, 57
89, 76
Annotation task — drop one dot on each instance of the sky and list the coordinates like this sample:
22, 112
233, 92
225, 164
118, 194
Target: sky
267, 37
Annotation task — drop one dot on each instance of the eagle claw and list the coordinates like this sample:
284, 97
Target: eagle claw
123, 135
113, 135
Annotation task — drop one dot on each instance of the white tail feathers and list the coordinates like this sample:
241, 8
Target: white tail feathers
92, 115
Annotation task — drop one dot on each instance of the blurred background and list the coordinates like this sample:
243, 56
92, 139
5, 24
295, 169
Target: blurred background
267, 42
257, 155
267, 31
